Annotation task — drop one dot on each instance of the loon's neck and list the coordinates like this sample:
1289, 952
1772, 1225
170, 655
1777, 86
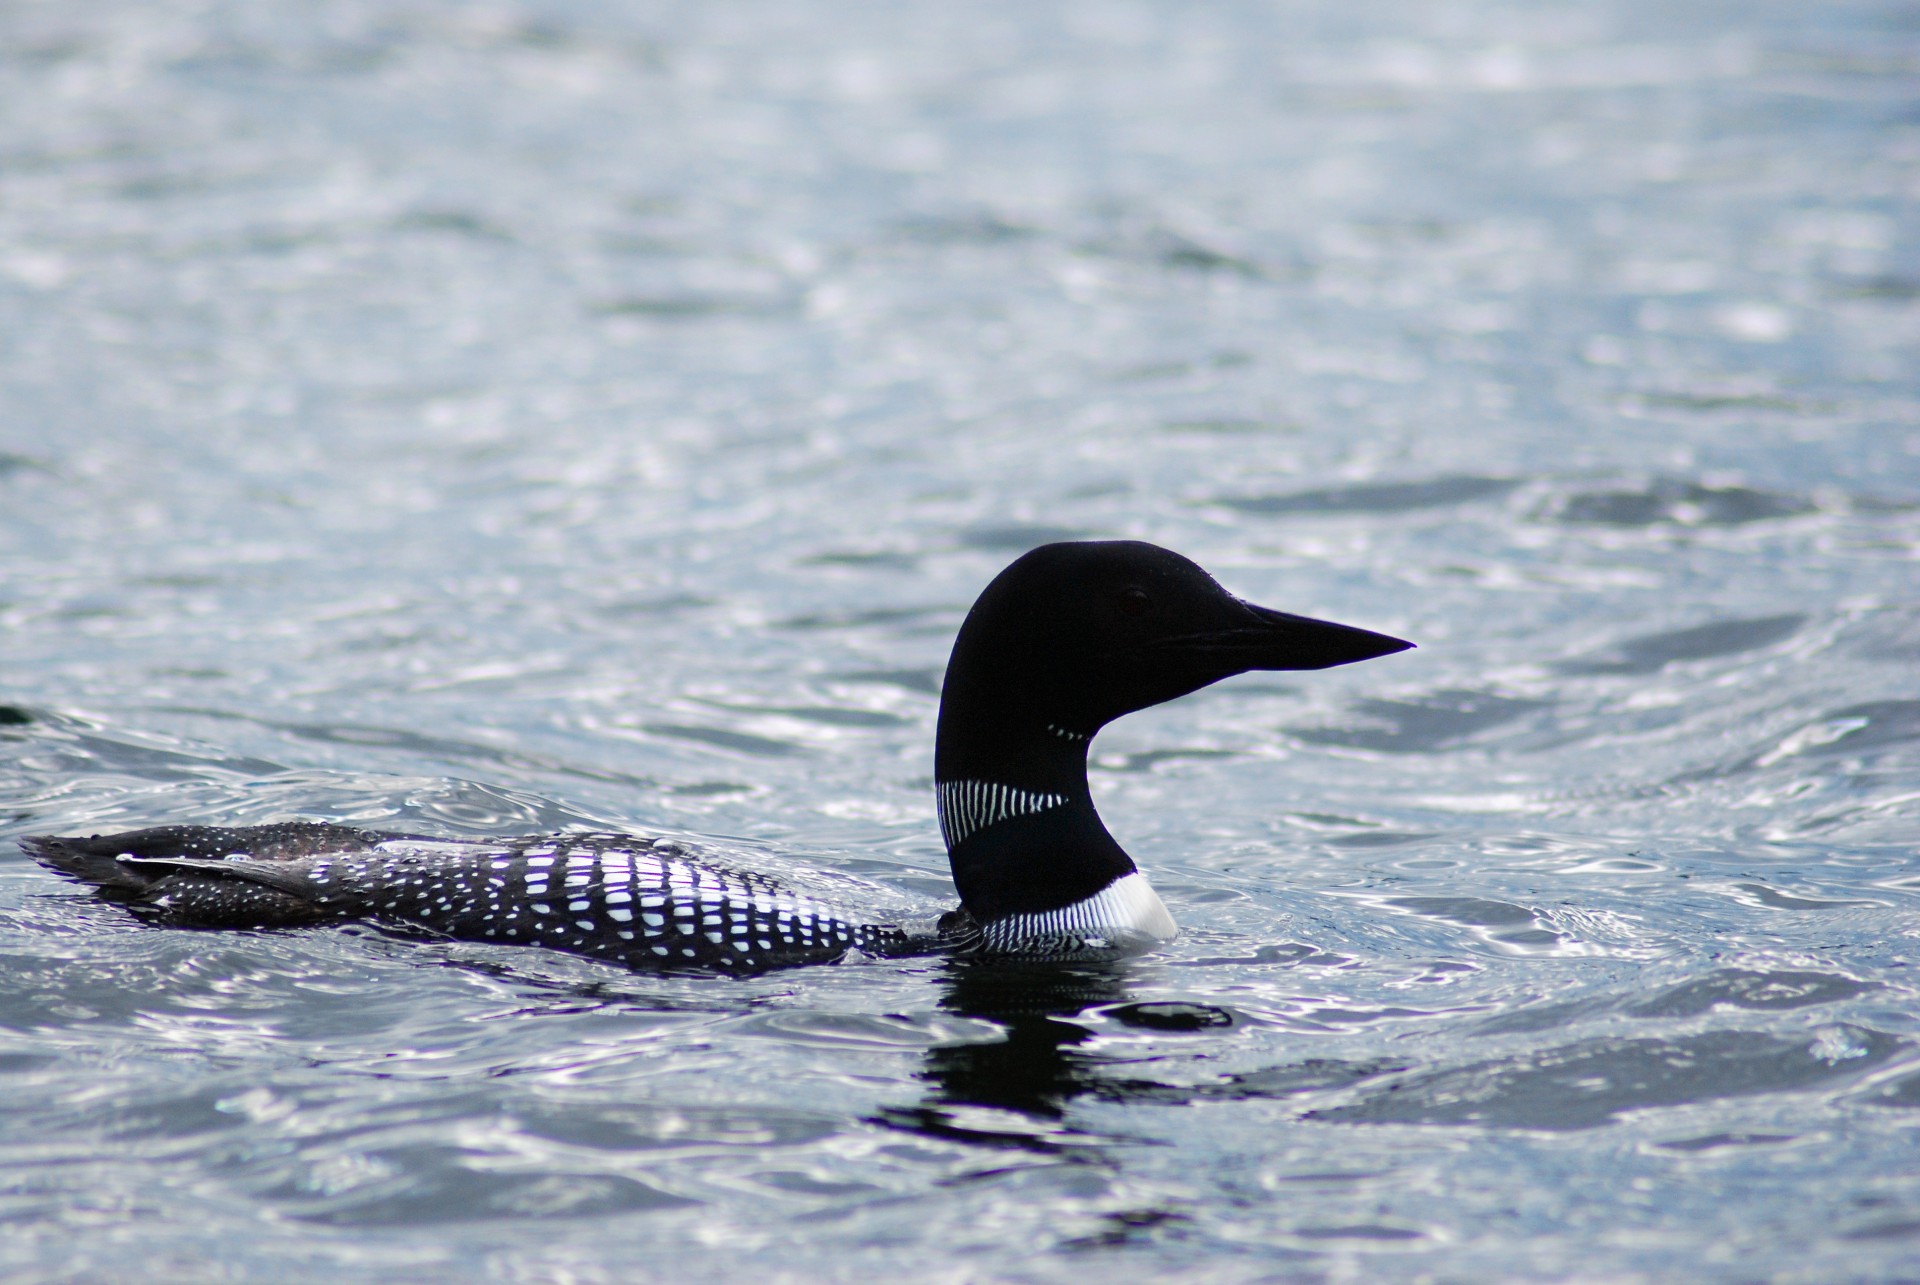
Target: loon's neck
1017, 815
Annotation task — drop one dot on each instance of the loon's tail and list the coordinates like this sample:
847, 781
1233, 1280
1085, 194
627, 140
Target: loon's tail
229, 874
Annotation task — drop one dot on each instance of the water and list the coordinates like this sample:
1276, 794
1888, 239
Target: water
477, 419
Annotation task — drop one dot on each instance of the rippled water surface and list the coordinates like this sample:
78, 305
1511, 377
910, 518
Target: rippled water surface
479, 418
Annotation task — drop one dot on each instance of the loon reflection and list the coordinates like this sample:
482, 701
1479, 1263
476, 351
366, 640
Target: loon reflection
1035, 1071
1042, 1065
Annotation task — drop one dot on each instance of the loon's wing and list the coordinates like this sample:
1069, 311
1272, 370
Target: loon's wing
625, 898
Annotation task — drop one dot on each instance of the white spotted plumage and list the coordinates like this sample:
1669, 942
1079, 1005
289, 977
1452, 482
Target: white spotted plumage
576, 894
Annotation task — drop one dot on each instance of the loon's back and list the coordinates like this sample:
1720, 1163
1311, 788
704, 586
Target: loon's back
622, 898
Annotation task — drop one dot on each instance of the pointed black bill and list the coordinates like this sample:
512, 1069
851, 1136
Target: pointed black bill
1271, 639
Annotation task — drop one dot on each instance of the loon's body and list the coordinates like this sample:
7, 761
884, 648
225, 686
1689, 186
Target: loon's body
625, 899
1066, 639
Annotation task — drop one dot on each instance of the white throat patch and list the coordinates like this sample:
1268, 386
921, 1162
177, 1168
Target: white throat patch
1124, 918
967, 806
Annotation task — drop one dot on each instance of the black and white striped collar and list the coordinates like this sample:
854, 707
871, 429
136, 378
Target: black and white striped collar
1125, 918
966, 807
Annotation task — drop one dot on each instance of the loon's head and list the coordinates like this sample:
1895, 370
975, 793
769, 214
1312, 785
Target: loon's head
1065, 640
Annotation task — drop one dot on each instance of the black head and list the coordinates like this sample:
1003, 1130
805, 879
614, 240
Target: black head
1064, 641
1072, 636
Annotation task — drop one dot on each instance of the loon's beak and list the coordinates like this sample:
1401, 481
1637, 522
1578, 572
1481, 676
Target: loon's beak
1275, 640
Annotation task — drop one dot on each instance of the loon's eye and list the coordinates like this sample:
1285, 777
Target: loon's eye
1135, 602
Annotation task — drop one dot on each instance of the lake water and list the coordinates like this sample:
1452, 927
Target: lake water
483, 418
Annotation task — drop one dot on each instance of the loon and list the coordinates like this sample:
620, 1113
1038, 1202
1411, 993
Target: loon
1066, 639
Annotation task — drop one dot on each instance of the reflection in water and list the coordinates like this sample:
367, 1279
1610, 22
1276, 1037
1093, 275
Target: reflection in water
1015, 1092
1034, 1072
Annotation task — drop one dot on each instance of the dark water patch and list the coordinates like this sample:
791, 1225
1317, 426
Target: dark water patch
885, 560
801, 1184
1903, 1093
1173, 250
1673, 502
1333, 1178
441, 748
1651, 653
711, 789
645, 246
177, 1118
1892, 1229
1163, 247
1147, 760
14, 716
604, 1126
693, 307
980, 229
1758, 991
1375, 497
1874, 725
47, 49
1422, 726
1889, 287
1181, 369
1776, 900
1357, 1231
1172, 1015
426, 1185
1253, 687
721, 738
665, 605
925, 682
66, 745
837, 716
458, 222
388, 738
1706, 401
1890, 634
1721, 1141
162, 186
860, 619
1226, 427
1543, 1017
1132, 1227
1017, 537
825, 1030
825, 715
1031, 1131
1593, 1082
1292, 952
1313, 1075
1471, 912
1880, 504
1335, 1017
1379, 839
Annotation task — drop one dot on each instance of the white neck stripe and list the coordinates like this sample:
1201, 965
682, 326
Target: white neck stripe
969, 806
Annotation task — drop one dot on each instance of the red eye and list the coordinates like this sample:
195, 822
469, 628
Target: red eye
1135, 602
